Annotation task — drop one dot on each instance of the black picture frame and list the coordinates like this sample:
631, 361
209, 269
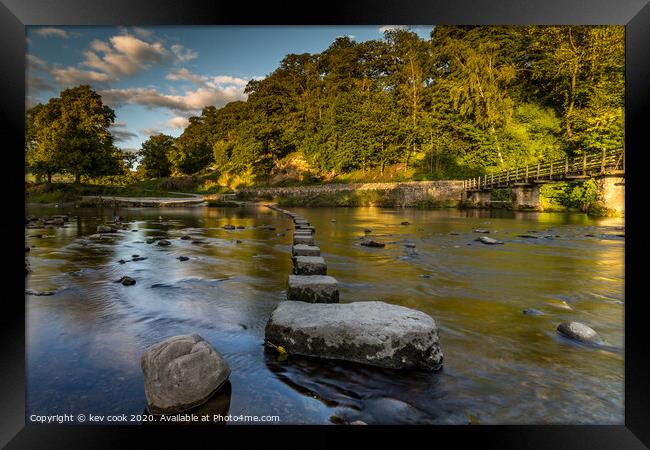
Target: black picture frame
16, 14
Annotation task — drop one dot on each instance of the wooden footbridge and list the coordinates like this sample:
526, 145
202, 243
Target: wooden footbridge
607, 166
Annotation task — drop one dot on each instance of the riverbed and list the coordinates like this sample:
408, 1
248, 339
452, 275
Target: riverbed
501, 366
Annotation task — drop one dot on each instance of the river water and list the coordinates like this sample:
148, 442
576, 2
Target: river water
501, 366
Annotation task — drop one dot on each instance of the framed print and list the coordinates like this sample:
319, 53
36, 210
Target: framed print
377, 218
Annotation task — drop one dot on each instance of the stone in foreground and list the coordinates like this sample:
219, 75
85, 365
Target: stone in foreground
313, 288
302, 239
488, 240
180, 373
305, 250
374, 333
579, 332
309, 265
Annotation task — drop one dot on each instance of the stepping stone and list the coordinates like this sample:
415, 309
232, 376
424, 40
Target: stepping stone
301, 222
303, 232
309, 265
488, 240
182, 372
305, 250
302, 239
373, 333
313, 288
309, 228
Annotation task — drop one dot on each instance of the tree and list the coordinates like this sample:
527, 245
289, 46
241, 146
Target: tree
71, 134
580, 70
155, 156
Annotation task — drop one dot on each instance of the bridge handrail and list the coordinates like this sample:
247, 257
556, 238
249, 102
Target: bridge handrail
585, 165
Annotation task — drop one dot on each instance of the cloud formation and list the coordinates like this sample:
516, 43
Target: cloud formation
52, 32
190, 101
385, 28
182, 54
73, 76
177, 123
123, 55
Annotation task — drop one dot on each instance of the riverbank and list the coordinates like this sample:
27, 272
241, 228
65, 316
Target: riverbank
417, 194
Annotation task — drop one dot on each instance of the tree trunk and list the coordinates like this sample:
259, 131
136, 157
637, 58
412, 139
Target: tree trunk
77, 178
496, 142
49, 178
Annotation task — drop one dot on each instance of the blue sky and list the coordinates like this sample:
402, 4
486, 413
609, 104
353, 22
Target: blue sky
156, 77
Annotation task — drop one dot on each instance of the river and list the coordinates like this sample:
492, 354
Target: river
501, 366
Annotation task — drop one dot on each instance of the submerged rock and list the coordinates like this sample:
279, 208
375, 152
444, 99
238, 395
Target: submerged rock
228, 227
164, 242
105, 229
374, 333
481, 230
579, 332
532, 312
139, 258
182, 258
488, 240
185, 238
527, 236
371, 243
182, 372
39, 293
406, 223
127, 281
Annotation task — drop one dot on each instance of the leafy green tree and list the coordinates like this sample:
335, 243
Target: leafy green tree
71, 134
155, 156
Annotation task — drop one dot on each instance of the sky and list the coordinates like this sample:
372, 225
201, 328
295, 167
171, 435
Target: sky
155, 78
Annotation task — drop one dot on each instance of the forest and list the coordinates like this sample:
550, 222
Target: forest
470, 100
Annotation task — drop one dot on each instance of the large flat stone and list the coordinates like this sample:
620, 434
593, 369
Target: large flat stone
181, 372
313, 288
307, 228
374, 333
305, 250
303, 239
309, 265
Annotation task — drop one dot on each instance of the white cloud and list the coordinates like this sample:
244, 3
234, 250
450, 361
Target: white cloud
177, 123
36, 63
385, 28
72, 76
52, 32
150, 131
192, 100
185, 56
184, 74
142, 32
123, 55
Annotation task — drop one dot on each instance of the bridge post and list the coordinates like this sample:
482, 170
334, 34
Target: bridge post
480, 199
526, 197
610, 194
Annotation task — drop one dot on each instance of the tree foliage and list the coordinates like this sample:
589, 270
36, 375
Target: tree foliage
70, 134
469, 100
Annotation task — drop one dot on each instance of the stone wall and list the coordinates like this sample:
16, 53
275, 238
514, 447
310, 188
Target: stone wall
444, 192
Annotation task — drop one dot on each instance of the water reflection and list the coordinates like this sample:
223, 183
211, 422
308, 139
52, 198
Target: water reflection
84, 342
